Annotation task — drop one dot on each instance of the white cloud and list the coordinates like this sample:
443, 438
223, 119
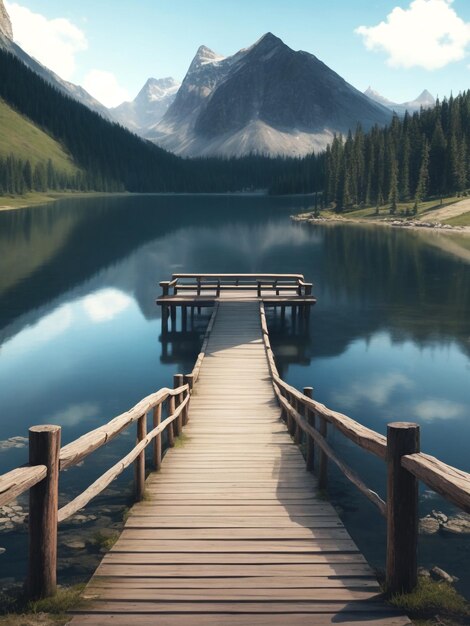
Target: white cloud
105, 87
75, 414
105, 305
55, 43
434, 409
428, 34
376, 390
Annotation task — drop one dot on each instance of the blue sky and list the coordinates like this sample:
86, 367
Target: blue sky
113, 46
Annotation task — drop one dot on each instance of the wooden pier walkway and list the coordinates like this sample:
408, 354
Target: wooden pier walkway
232, 530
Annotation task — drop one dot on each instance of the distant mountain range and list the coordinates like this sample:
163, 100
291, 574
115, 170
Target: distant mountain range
425, 100
265, 99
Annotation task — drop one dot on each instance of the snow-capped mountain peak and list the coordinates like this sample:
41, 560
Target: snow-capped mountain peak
424, 100
157, 89
149, 106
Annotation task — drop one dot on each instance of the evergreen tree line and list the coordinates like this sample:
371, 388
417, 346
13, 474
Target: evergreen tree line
19, 176
423, 155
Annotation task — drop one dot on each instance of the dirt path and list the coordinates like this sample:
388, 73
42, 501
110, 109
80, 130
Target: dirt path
446, 213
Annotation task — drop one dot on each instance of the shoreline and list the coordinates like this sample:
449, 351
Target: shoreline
414, 225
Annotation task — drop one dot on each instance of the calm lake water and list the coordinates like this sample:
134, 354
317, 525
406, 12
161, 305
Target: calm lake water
80, 339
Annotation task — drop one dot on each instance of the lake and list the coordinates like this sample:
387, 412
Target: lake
80, 340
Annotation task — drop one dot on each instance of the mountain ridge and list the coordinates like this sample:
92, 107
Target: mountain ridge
266, 99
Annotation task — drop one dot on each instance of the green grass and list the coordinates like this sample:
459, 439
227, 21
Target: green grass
384, 210
16, 611
25, 140
460, 220
105, 541
181, 441
431, 598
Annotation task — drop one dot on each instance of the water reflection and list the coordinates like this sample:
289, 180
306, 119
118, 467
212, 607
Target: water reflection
81, 341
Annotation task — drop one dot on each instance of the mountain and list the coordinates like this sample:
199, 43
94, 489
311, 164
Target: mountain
150, 105
5, 22
425, 100
265, 99
75, 91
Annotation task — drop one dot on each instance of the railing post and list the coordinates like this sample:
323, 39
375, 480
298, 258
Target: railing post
139, 463
188, 380
298, 430
310, 453
178, 382
402, 509
44, 449
157, 442
259, 289
323, 459
171, 427
290, 419
165, 285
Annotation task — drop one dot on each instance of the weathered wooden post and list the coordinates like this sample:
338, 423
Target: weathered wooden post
259, 289
310, 417
184, 318
165, 285
178, 382
298, 430
139, 463
44, 449
290, 419
157, 442
173, 318
323, 459
171, 427
188, 380
165, 316
402, 509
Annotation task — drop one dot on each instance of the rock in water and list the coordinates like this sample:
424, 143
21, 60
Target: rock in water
5, 22
439, 574
428, 525
458, 525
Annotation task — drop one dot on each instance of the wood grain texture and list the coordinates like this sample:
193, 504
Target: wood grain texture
233, 531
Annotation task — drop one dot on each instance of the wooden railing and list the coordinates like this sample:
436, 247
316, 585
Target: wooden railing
200, 284
406, 465
47, 459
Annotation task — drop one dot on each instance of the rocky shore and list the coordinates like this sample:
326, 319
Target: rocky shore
438, 522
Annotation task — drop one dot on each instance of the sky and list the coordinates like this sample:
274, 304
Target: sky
112, 47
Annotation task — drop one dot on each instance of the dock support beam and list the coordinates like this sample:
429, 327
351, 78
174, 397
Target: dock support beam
402, 509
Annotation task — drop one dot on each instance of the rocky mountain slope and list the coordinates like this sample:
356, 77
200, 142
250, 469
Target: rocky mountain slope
266, 99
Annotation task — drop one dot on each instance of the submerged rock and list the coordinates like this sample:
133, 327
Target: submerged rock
429, 525
458, 525
439, 574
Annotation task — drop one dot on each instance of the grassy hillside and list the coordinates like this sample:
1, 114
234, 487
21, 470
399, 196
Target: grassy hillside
22, 138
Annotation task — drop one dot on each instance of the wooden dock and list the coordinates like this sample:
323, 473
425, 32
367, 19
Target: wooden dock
232, 530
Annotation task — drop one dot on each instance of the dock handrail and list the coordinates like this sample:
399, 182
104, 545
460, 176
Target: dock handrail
301, 412
293, 283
